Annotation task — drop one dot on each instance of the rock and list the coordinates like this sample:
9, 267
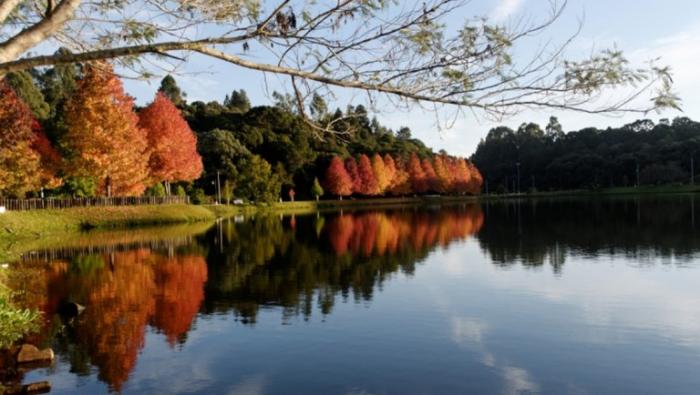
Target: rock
71, 309
40, 387
28, 354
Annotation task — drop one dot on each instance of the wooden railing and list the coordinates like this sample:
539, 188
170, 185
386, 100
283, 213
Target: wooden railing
53, 203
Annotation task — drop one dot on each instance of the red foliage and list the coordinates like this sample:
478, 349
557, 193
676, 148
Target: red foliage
353, 172
337, 181
416, 174
179, 293
368, 182
381, 232
172, 143
19, 163
430, 177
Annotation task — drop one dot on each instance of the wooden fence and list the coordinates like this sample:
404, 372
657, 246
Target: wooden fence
52, 203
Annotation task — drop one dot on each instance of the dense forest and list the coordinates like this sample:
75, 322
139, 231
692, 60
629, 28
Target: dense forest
639, 153
73, 131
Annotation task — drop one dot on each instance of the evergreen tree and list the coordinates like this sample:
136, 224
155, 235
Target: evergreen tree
237, 101
169, 87
24, 86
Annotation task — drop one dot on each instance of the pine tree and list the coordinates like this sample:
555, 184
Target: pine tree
172, 143
337, 180
169, 88
103, 138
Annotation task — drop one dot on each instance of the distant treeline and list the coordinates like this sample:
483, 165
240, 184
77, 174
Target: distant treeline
639, 153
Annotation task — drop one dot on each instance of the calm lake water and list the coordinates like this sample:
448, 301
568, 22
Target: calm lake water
551, 297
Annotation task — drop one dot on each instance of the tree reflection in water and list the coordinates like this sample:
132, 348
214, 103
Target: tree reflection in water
299, 264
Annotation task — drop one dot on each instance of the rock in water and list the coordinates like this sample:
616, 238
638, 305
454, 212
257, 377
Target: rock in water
28, 354
70, 309
41, 387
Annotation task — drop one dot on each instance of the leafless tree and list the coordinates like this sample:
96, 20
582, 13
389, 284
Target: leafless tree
403, 50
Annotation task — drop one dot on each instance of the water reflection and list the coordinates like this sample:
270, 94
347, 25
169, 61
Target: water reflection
545, 231
146, 289
300, 263
125, 292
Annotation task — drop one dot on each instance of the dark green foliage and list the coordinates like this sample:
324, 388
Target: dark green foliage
257, 181
294, 150
25, 87
237, 101
589, 158
170, 89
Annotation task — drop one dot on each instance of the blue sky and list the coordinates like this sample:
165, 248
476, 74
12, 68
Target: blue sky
644, 29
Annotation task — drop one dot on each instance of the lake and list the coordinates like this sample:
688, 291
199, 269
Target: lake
561, 296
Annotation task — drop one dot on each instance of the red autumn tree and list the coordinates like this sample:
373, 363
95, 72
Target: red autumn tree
351, 168
430, 177
104, 139
49, 157
417, 175
390, 169
337, 181
380, 173
369, 186
172, 143
19, 163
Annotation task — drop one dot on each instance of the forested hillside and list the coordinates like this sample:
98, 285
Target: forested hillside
639, 153
81, 135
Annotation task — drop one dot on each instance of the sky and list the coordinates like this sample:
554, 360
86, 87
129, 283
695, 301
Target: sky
643, 29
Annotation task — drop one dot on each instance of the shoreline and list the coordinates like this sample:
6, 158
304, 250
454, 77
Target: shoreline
23, 230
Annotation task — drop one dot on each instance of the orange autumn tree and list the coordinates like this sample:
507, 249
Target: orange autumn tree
172, 143
337, 181
416, 174
106, 144
390, 169
431, 179
380, 173
368, 182
19, 163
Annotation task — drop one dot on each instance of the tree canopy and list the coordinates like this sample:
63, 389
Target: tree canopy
409, 52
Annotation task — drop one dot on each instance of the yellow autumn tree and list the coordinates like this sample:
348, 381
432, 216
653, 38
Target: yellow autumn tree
104, 141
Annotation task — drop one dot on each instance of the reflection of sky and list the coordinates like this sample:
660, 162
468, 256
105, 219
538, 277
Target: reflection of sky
459, 324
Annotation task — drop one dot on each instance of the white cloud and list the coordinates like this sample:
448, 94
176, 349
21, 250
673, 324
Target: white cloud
504, 9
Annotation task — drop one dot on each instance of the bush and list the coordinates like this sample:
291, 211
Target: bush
14, 322
157, 190
180, 191
197, 196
